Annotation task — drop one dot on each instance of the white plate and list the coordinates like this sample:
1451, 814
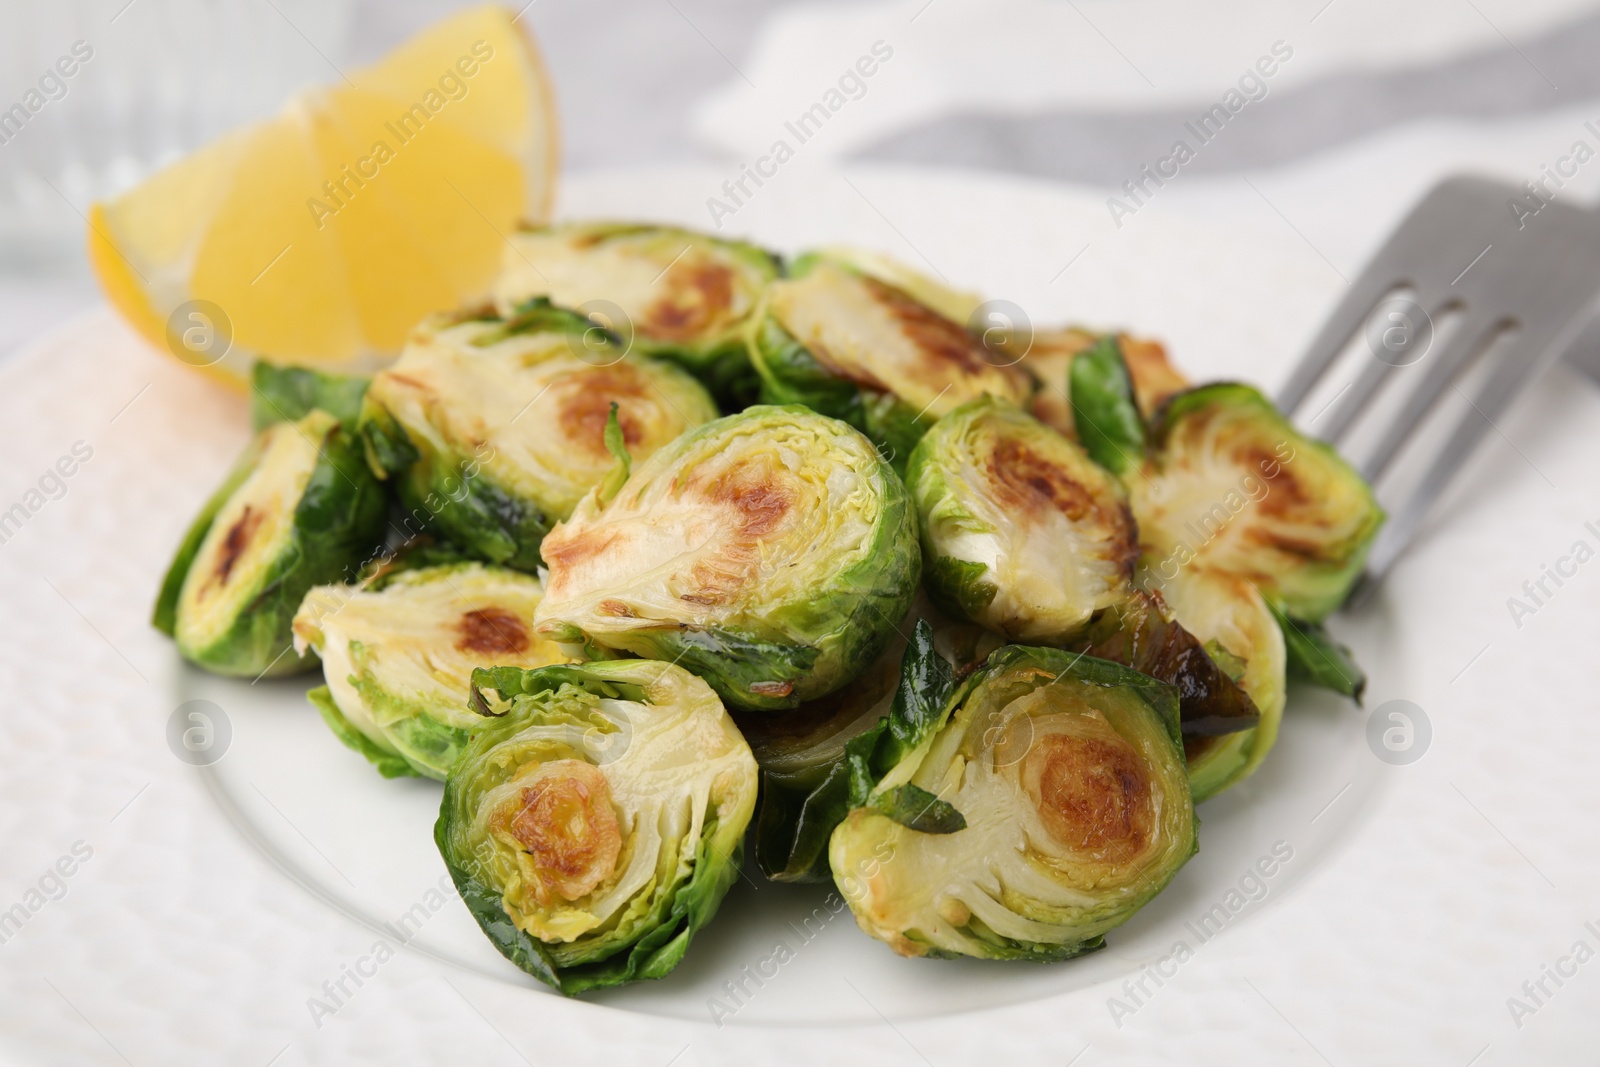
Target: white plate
216, 903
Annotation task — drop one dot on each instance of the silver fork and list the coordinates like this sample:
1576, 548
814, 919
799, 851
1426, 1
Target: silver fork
1464, 248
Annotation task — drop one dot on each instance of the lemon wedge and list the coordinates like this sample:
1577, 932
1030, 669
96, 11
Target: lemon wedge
322, 235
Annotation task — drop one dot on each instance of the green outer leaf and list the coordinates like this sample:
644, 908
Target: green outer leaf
418, 553
917, 809
1104, 407
338, 521
959, 587
732, 662
795, 818
617, 445
1219, 762
429, 745
539, 315
165, 615
653, 955
1160, 696
926, 682
512, 682
437, 494
791, 375
798, 811
389, 450
389, 764
1316, 657
289, 394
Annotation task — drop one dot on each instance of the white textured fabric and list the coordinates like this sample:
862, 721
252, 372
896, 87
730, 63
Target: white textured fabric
1423, 898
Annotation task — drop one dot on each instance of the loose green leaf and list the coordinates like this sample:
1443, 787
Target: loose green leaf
617, 445
1106, 412
926, 682
289, 394
919, 810
1316, 657
389, 764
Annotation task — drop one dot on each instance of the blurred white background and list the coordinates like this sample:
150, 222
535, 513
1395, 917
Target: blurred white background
1368, 100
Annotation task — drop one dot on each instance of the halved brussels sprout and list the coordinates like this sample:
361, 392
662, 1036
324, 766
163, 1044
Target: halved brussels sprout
686, 296
954, 304
1231, 486
1053, 804
288, 394
1050, 359
596, 820
1026, 535
1021, 531
771, 552
850, 345
299, 508
492, 429
399, 653
1225, 611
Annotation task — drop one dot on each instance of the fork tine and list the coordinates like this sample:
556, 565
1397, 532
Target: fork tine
1468, 340
1353, 401
1348, 317
1517, 370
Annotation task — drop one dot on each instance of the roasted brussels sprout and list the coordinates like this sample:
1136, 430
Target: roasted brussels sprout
1052, 804
492, 429
1027, 536
954, 304
771, 552
288, 394
1052, 354
684, 296
1021, 531
399, 652
299, 508
850, 345
1230, 485
596, 820
820, 760
1239, 630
